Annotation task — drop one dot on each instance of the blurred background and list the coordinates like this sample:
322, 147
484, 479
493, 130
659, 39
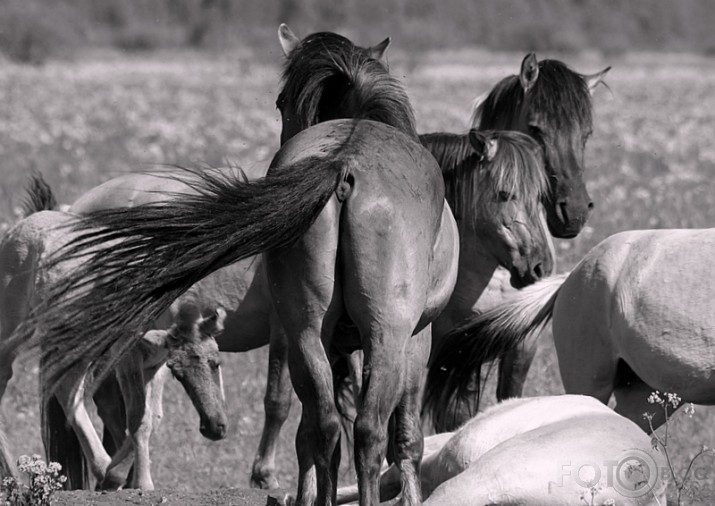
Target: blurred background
90, 89
33, 30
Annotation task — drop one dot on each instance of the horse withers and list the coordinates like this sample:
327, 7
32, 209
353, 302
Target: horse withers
635, 315
555, 450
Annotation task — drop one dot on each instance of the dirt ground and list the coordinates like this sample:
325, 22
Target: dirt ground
220, 497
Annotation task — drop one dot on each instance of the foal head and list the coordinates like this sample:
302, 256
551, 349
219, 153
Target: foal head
551, 103
327, 77
495, 196
193, 359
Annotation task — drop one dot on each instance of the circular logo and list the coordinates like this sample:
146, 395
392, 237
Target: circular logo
635, 474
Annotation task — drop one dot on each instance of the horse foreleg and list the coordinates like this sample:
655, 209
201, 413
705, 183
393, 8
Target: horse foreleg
276, 404
514, 367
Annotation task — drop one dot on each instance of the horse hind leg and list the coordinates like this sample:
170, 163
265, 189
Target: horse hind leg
514, 368
276, 405
306, 293
632, 395
407, 438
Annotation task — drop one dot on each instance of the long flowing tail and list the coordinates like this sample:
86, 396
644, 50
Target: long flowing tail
459, 356
39, 196
62, 445
136, 261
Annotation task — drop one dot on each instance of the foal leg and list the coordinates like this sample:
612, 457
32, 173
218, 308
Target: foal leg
276, 404
130, 373
70, 395
514, 367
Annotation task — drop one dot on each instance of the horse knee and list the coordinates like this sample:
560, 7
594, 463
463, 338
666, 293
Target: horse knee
277, 406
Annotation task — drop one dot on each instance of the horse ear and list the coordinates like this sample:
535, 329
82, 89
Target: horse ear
529, 72
156, 338
594, 80
213, 324
378, 51
287, 39
485, 147
478, 142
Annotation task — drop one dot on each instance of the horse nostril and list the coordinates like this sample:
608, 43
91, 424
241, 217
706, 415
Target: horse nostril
590, 206
538, 273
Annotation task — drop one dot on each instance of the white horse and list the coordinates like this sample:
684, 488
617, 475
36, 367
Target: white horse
635, 315
188, 347
537, 451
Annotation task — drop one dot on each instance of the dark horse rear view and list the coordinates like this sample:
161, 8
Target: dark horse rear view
353, 225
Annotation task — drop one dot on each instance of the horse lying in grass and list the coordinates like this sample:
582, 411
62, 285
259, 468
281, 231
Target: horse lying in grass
635, 315
189, 349
551, 103
537, 451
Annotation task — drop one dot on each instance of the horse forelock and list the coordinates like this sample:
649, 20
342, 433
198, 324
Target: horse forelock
516, 168
559, 94
327, 67
562, 95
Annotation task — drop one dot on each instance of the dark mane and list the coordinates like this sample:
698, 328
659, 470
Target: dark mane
516, 167
327, 77
39, 196
559, 92
452, 151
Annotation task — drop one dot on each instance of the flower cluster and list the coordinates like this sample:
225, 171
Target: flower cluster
43, 481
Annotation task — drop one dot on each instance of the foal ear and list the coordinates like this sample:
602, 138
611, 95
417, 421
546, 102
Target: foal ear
594, 80
529, 72
287, 39
378, 51
486, 147
155, 338
213, 325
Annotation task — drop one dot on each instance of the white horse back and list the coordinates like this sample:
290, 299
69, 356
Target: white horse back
650, 292
537, 465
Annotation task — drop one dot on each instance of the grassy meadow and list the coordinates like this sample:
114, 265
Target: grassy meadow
650, 164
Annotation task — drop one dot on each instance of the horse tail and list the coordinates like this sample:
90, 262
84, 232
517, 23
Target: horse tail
7, 468
62, 445
136, 261
454, 375
39, 196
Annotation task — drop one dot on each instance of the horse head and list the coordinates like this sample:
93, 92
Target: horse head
193, 358
328, 77
506, 214
551, 103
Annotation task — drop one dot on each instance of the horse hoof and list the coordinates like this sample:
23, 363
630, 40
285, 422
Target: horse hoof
264, 482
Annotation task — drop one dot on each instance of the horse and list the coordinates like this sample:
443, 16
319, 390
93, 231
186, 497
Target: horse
481, 222
634, 316
552, 103
341, 227
27, 276
537, 451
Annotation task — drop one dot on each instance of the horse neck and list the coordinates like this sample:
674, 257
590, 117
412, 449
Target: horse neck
503, 109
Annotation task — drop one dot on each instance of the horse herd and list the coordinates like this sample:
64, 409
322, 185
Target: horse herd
365, 256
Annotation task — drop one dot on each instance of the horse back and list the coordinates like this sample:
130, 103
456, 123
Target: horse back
133, 189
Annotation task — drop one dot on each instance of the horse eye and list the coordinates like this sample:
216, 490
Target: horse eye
535, 131
505, 196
